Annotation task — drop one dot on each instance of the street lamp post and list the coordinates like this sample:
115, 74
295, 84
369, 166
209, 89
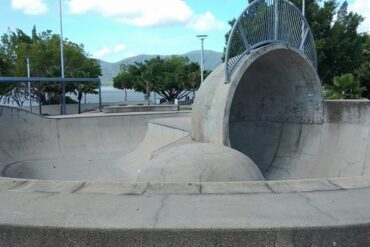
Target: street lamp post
29, 83
63, 109
202, 38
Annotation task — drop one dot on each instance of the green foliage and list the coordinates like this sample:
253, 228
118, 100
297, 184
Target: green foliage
172, 78
69, 100
344, 87
363, 72
227, 36
43, 50
343, 50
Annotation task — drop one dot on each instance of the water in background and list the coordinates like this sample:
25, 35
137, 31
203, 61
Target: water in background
109, 95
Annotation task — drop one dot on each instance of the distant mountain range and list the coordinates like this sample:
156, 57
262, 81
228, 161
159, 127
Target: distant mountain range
110, 70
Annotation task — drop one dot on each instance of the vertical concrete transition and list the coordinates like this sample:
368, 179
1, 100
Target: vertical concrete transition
280, 87
273, 86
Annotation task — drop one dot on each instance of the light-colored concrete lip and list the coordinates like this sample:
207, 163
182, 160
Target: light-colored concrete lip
103, 114
245, 206
204, 188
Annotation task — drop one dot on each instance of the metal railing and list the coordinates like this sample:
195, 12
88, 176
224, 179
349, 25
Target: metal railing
269, 21
41, 80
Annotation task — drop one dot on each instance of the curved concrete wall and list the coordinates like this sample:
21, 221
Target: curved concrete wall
337, 148
82, 148
279, 87
273, 112
272, 84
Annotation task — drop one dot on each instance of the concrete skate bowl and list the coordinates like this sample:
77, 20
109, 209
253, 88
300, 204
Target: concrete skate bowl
136, 180
78, 148
100, 208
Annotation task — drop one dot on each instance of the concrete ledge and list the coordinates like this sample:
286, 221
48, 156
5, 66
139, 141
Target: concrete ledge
204, 188
140, 108
209, 214
347, 111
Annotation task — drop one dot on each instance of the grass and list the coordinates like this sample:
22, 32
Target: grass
185, 107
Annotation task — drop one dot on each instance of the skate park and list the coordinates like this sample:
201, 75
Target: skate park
262, 160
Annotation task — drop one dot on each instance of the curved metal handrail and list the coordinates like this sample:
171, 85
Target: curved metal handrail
269, 21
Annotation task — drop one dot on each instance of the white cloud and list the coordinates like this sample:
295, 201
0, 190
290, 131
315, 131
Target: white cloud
148, 13
206, 22
142, 13
101, 53
30, 7
106, 52
362, 7
119, 48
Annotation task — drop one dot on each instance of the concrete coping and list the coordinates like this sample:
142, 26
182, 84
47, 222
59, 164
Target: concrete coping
140, 108
96, 114
204, 188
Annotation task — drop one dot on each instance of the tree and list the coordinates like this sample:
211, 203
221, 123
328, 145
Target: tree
124, 80
227, 36
363, 72
344, 87
172, 78
44, 52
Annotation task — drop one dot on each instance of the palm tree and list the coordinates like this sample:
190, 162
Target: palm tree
344, 87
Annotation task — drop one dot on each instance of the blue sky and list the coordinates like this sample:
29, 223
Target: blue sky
114, 29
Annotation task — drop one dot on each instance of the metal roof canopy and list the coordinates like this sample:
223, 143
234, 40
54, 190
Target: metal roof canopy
55, 80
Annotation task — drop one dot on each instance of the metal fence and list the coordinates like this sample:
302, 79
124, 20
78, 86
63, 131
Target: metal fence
268, 21
40, 80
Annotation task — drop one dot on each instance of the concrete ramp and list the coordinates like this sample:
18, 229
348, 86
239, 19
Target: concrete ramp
160, 135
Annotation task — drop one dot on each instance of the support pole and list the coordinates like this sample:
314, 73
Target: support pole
202, 62
40, 103
202, 38
63, 110
276, 22
303, 13
100, 101
29, 83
